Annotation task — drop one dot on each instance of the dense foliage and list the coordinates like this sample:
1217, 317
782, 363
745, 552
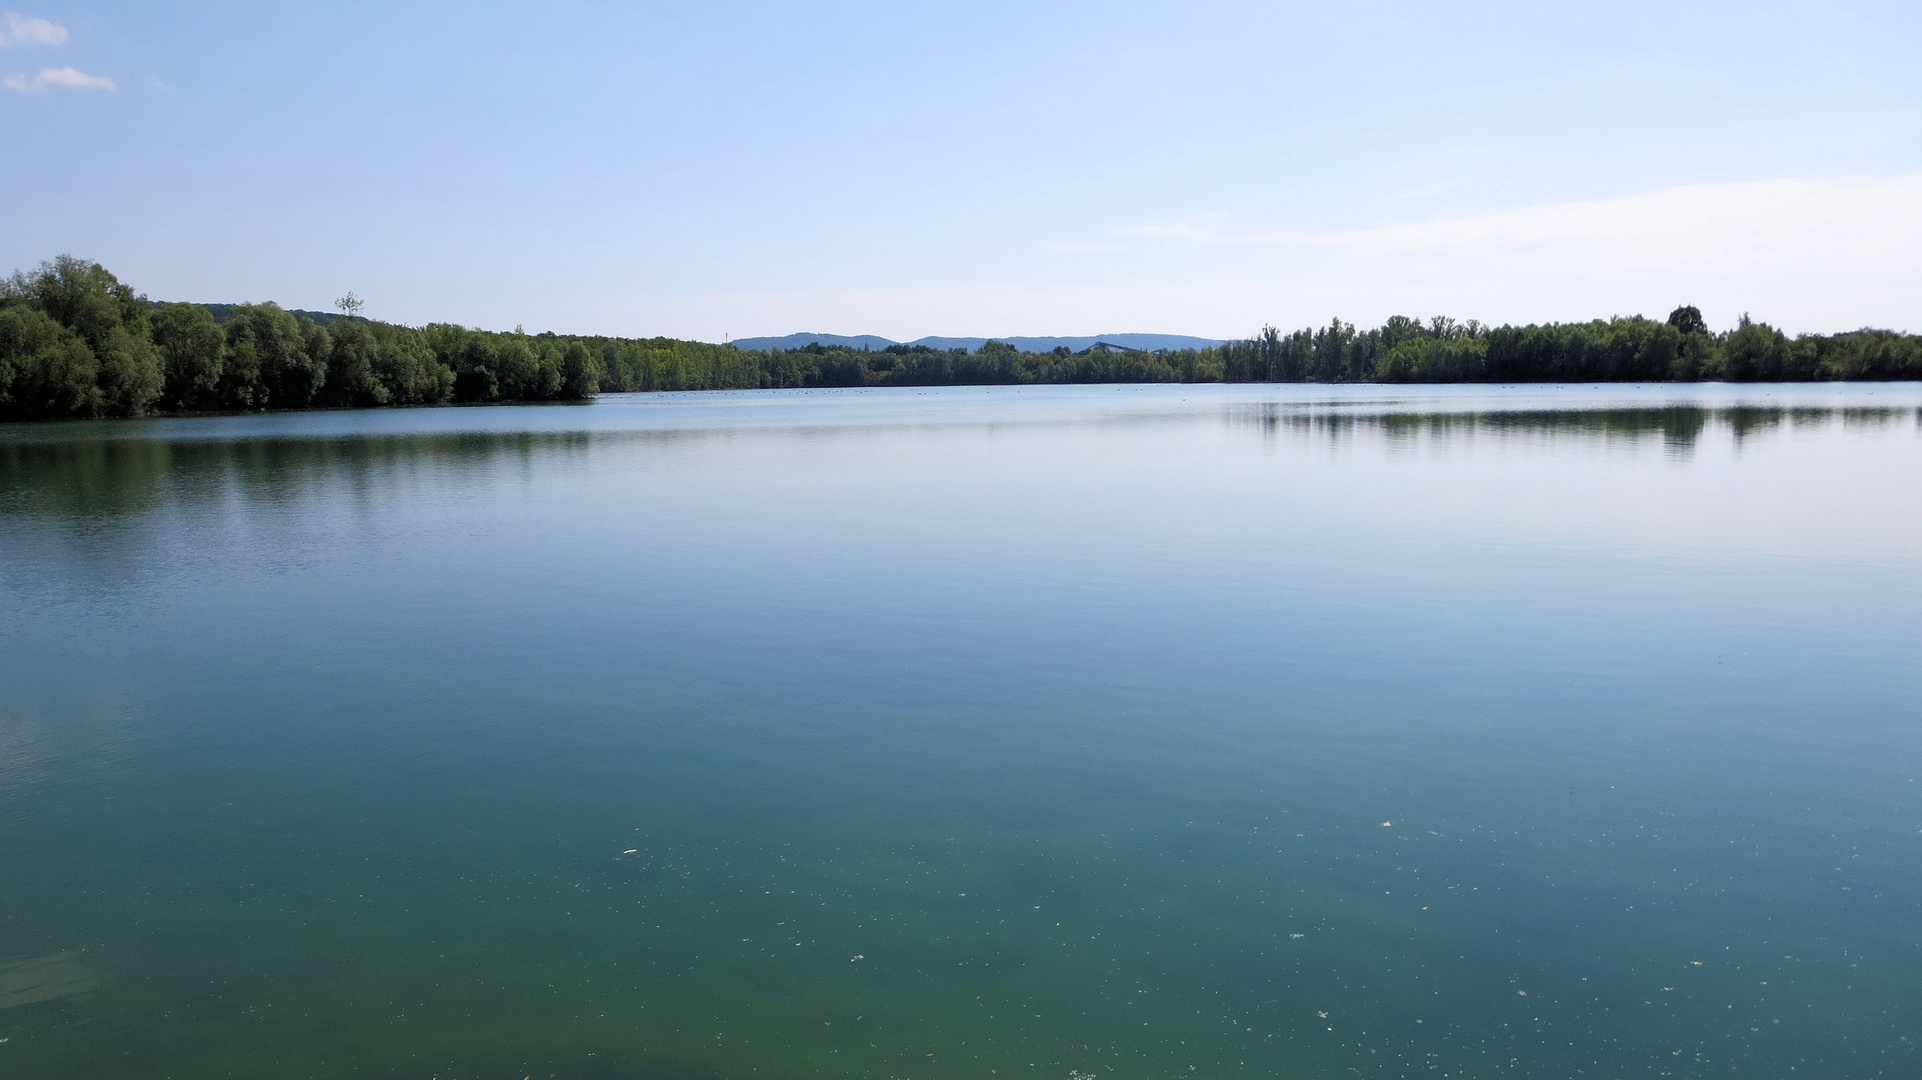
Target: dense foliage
75, 342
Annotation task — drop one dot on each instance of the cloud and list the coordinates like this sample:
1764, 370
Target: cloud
1809, 253
26, 30
1858, 220
1076, 249
1704, 226
1194, 232
48, 78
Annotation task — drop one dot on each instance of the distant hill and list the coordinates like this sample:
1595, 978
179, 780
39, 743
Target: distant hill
223, 312
802, 341
1149, 342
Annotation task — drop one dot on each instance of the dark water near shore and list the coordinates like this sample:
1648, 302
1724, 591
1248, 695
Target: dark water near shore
1029, 733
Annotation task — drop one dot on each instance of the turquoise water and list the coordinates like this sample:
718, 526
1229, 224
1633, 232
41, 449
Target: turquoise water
1046, 733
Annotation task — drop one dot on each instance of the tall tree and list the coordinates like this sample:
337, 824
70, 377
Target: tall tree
46, 370
269, 361
85, 298
1688, 319
192, 348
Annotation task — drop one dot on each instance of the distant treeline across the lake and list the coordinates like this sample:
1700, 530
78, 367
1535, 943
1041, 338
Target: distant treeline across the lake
76, 342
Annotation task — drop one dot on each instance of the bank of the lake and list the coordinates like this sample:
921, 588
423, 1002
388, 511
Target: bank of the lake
76, 342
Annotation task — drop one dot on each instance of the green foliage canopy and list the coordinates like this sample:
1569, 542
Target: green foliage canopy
76, 342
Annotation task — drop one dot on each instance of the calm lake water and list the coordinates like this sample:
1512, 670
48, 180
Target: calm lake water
1040, 734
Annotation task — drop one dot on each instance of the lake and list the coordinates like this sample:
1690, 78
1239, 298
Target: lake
1062, 733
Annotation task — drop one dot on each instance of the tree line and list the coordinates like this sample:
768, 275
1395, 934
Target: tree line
1632, 349
77, 342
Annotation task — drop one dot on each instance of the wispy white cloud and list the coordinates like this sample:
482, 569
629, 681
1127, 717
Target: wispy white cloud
1704, 227
64, 78
1073, 248
27, 30
1825, 253
1195, 232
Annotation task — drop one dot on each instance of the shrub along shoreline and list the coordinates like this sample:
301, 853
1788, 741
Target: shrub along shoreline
76, 342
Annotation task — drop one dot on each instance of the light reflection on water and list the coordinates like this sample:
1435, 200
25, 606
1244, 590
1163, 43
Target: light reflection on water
1174, 731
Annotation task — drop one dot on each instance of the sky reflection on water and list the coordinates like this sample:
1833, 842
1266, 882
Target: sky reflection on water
1521, 731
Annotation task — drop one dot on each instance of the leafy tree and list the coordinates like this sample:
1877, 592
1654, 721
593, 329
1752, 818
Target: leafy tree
75, 341
85, 298
1688, 319
353, 355
848, 367
407, 367
1329, 360
1868, 354
581, 371
46, 370
1435, 360
520, 369
1755, 352
268, 364
192, 347
474, 364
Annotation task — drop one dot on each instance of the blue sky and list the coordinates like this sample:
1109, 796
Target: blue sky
710, 169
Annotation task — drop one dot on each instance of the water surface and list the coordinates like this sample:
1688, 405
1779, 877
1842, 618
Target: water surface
1053, 733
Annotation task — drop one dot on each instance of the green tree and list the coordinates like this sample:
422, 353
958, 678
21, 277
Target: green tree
407, 366
1755, 352
268, 364
1869, 354
75, 341
517, 363
353, 356
1698, 353
473, 360
191, 346
581, 371
1688, 319
85, 298
46, 370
